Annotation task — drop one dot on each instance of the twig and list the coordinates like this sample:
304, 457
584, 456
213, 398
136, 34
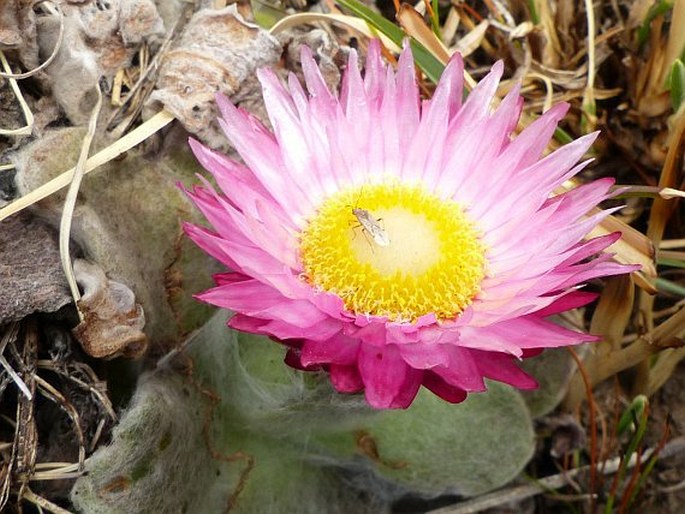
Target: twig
41, 502
521, 492
53, 394
11, 335
104, 400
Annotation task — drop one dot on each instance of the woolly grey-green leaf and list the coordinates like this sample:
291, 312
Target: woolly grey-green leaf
162, 460
157, 461
553, 370
267, 396
435, 447
431, 447
271, 476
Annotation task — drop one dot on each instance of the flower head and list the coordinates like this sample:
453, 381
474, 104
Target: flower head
395, 242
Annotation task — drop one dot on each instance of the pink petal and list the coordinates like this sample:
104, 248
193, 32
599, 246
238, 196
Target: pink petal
572, 300
388, 382
502, 368
346, 379
462, 371
440, 388
338, 349
374, 78
425, 356
254, 298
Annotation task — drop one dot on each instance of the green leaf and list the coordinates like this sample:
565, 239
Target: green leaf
673, 263
656, 10
435, 19
534, 16
667, 286
636, 415
676, 82
633, 412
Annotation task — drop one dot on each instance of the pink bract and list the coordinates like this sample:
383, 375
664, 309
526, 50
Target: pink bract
321, 143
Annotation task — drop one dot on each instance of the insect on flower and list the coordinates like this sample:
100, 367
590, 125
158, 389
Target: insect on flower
372, 227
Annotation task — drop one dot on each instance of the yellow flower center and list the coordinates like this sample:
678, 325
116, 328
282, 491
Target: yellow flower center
394, 250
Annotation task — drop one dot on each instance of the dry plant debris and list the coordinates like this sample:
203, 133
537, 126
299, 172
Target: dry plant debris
217, 53
44, 438
112, 320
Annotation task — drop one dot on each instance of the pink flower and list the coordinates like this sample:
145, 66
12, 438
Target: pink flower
395, 242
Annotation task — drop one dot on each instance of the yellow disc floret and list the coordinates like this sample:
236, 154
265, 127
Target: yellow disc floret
394, 250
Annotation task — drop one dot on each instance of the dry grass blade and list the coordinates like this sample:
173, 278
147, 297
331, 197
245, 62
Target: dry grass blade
669, 334
25, 447
633, 248
8, 337
613, 312
664, 367
589, 107
662, 209
552, 50
414, 26
610, 320
449, 29
56, 471
70, 202
670, 178
70, 374
54, 395
28, 115
676, 38
43, 503
133, 138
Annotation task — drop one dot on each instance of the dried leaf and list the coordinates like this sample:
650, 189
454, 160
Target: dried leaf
112, 320
413, 24
472, 41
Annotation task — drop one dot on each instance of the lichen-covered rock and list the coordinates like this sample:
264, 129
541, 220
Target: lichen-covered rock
32, 277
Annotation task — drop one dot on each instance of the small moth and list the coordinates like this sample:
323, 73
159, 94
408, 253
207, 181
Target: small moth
370, 224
